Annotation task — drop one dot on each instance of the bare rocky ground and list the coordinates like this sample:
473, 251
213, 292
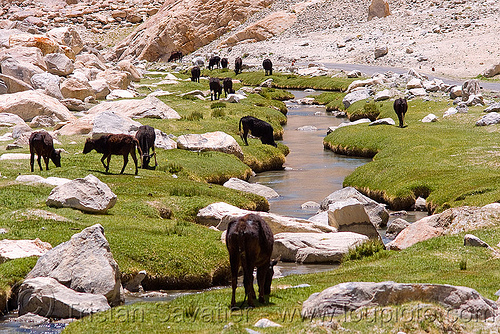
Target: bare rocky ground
455, 38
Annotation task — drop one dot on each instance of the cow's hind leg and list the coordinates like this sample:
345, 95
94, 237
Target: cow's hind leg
125, 162
261, 280
104, 157
132, 153
235, 265
32, 161
46, 160
38, 159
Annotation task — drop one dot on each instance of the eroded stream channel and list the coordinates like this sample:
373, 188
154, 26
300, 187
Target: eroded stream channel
311, 173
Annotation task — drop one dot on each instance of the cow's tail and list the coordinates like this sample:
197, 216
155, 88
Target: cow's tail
239, 128
136, 142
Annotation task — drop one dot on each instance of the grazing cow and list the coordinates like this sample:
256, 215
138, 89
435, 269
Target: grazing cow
42, 144
268, 66
176, 55
249, 241
114, 144
258, 128
214, 61
227, 83
195, 74
224, 62
238, 64
215, 88
400, 107
146, 137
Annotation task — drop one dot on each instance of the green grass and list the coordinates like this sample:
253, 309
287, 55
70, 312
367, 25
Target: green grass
331, 100
451, 162
153, 225
433, 261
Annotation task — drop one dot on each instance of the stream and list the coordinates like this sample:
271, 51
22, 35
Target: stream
310, 174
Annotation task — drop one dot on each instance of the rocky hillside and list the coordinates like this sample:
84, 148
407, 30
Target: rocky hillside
454, 38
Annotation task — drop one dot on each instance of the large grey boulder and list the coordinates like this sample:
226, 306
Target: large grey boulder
395, 227
149, 107
494, 107
22, 62
489, 119
210, 141
164, 141
16, 249
76, 89
492, 71
345, 297
101, 88
12, 85
49, 83
315, 247
84, 264
219, 214
350, 216
107, 122
355, 96
88, 194
377, 212
29, 104
254, 188
45, 296
8, 119
59, 64
67, 36
469, 88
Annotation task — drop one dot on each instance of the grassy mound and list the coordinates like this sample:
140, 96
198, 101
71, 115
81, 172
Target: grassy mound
451, 162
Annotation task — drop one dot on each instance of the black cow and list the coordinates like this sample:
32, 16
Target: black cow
215, 88
400, 107
227, 83
224, 62
42, 144
238, 64
176, 55
195, 74
146, 137
258, 128
249, 241
268, 66
214, 61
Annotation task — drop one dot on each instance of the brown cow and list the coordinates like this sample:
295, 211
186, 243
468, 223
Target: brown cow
249, 241
268, 67
42, 144
114, 144
238, 64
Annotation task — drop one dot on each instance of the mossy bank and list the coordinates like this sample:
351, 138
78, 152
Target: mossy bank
451, 162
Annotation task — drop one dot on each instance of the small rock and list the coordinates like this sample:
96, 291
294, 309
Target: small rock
265, 323
420, 204
310, 205
472, 240
430, 118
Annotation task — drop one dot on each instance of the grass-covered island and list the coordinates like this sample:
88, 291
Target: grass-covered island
450, 162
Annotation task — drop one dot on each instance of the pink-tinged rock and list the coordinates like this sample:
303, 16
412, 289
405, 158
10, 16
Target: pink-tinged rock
16, 249
416, 232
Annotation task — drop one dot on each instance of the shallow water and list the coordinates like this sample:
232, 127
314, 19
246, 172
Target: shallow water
311, 173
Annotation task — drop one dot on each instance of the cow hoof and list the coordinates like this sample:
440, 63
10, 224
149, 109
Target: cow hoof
262, 300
